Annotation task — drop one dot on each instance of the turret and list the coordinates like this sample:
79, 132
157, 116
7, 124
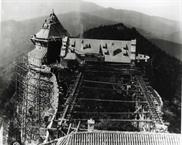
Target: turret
50, 38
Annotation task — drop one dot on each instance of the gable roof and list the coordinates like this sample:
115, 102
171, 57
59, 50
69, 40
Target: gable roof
51, 29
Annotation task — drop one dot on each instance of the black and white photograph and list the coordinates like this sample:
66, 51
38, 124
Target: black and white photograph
90, 72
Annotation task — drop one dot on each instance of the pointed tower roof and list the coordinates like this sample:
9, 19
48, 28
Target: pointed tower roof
51, 29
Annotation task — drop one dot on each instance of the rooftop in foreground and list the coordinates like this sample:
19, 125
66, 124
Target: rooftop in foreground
118, 138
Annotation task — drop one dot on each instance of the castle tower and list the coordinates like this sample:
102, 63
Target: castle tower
49, 40
41, 90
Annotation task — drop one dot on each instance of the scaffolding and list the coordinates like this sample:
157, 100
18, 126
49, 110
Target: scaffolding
126, 81
33, 93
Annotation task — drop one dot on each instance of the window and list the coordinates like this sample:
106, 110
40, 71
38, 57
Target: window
73, 45
126, 53
106, 53
87, 46
105, 47
125, 48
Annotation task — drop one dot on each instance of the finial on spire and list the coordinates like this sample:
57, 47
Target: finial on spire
52, 11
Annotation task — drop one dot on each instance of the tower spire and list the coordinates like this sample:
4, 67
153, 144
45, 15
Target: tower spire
52, 11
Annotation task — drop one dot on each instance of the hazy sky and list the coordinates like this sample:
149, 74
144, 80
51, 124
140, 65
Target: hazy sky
171, 9
17, 9
24, 9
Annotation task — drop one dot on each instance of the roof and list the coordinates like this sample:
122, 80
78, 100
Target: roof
122, 138
36, 56
51, 29
38, 53
113, 50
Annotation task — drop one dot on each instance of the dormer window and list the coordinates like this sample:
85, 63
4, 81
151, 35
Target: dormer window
117, 51
45, 26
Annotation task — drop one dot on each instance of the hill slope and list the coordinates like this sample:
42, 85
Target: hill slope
173, 49
156, 27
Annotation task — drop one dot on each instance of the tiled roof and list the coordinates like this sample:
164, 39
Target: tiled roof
120, 138
51, 29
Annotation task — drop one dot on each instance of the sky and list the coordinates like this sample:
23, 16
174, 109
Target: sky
18, 9
25, 9
170, 9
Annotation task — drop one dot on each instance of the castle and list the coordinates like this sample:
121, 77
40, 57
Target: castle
77, 91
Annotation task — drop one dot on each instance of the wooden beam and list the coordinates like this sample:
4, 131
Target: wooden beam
107, 71
108, 100
117, 120
78, 126
101, 82
69, 128
97, 88
105, 89
120, 113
